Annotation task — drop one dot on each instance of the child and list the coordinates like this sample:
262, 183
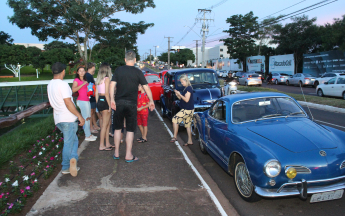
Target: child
143, 113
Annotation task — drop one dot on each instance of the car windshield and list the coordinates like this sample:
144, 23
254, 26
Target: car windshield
253, 75
152, 79
307, 75
199, 77
263, 108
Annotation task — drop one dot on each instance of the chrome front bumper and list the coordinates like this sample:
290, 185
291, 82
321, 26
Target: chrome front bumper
303, 188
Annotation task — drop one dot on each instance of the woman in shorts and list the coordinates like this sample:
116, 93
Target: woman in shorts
103, 104
187, 110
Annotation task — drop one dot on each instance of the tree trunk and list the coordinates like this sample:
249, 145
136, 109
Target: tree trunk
85, 50
79, 47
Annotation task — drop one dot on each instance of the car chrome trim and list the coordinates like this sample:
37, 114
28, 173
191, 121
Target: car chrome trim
305, 114
299, 169
298, 190
217, 154
210, 93
342, 165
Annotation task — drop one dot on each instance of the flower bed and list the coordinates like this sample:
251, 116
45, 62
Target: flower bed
24, 177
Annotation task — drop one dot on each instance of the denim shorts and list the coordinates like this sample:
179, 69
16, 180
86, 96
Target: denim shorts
128, 110
93, 105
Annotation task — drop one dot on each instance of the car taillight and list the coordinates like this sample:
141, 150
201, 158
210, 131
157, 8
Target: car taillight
306, 78
281, 77
249, 78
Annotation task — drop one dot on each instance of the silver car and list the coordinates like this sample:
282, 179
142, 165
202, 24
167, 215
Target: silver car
278, 78
250, 79
301, 79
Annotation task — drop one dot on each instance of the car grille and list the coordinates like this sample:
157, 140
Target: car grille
342, 165
300, 169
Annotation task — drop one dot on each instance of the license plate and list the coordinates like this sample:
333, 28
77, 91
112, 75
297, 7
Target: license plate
312, 79
331, 195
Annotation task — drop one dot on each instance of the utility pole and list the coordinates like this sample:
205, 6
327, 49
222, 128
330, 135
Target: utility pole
169, 51
155, 51
196, 53
150, 57
204, 30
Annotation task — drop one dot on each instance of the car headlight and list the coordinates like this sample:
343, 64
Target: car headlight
233, 83
290, 172
272, 168
209, 101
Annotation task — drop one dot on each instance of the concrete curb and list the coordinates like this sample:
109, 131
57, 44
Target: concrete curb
322, 107
48, 198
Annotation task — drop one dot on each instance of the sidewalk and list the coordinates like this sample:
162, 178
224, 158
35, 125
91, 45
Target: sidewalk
160, 183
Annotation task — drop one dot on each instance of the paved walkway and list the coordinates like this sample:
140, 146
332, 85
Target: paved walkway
160, 183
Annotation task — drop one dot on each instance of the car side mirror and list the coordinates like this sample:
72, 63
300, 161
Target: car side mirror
325, 83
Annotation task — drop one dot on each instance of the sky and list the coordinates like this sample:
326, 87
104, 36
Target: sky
174, 19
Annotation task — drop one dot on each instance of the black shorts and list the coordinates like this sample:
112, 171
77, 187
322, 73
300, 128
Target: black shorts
128, 110
102, 104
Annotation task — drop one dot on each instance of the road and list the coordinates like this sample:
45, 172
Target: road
281, 206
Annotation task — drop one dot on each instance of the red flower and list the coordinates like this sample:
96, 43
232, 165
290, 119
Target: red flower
51, 158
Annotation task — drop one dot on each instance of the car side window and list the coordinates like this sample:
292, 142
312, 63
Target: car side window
341, 80
165, 79
331, 81
332, 75
218, 111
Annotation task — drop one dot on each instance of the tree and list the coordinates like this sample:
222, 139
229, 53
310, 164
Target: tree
332, 35
13, 55
266, 31
60, 44
148, 58
63, 55
5, 38
77, 20
163, 57
298, 37
243, 31
183, 55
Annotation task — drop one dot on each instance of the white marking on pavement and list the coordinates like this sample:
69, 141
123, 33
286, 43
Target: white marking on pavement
330, 124
213, 197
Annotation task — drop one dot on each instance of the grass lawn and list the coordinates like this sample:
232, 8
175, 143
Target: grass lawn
23, 137
152, 68
336, 102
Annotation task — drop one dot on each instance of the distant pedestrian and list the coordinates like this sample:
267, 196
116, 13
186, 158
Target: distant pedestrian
103, 104
126, 80
143, 113
269, 79
65, 118
187, 110
83, 101
91, 68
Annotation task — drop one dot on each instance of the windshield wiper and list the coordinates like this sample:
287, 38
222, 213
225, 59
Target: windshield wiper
267, 116
295, 113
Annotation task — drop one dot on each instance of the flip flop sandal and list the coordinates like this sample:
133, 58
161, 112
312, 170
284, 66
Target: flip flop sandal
94, 131
133, 160
115, 158
187, 144
111, 146
111, 135
142, 141
173, 140
106, 149
139, 139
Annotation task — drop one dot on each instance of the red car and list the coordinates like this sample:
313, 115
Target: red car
155, 85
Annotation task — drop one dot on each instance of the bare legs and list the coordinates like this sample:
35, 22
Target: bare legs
189, 132
143, 131
175, 126
105, 130
129, 144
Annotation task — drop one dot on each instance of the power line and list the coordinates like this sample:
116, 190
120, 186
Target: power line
218, 4
282, 10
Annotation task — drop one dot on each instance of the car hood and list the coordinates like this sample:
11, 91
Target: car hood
200, 95
296, 135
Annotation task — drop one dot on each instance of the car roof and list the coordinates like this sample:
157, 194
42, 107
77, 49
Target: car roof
188, 70
249, 95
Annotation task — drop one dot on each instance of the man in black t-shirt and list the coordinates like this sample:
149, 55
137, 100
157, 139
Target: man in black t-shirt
124, 103
230, 78
91, 68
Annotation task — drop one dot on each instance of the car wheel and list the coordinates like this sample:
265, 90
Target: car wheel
344, 95
276, 82
320, 93
300, 83
244, 185
316, 84
287, 83
201, 144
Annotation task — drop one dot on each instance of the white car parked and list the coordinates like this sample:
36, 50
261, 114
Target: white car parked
334, 87
324, 78
280, 78
250, 79
301, 79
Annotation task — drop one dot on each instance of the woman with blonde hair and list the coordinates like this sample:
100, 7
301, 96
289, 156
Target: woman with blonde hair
187, 109
103, 104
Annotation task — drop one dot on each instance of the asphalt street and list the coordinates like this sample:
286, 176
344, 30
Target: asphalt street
281, 206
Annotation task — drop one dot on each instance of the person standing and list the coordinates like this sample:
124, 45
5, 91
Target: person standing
187, 110
126, 79
83, 102
143, 114
103, 104
91, 68
65, 116
269, 79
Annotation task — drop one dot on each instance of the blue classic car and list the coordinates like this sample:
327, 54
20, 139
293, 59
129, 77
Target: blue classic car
267, 142
206, 89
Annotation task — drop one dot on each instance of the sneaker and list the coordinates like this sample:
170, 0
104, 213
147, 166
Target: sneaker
73, 167
64, 172
95, 137
90, 138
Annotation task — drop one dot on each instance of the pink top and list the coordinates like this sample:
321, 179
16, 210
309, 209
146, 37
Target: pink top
82, 91
101, 87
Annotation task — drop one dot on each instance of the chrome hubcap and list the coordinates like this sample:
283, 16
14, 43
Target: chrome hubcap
243, 182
